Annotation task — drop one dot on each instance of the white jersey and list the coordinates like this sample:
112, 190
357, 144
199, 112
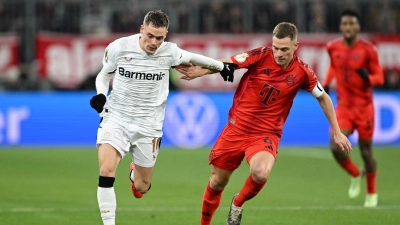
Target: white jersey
141, 82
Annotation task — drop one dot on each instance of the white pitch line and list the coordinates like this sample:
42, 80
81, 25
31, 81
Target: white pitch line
194, 209
310, 154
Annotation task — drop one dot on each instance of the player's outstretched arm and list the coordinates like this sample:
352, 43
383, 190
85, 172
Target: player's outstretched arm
191, 72
339, 138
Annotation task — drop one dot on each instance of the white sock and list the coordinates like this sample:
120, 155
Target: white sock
107, 204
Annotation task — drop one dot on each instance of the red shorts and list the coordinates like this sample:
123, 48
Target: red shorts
231, 147
357, 118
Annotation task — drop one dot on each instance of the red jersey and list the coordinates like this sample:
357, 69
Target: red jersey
266, 91
352, 90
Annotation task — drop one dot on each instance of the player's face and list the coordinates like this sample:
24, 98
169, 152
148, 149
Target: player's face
349, 27
283, 50
152, 38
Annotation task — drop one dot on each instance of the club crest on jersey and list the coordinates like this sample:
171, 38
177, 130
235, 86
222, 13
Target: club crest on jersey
291, 79
127, 59
161, 62
241, 57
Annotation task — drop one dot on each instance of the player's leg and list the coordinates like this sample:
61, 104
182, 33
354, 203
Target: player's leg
213, 193
225, 156
346, 121
342, 157
371, 199
109, 158
344, 160
365, 131
260, 154
260, 167
112, 146
140, 179
144, 155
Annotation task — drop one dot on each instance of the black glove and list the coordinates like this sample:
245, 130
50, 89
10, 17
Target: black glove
363, 73
97, 102
227, 71
326, 89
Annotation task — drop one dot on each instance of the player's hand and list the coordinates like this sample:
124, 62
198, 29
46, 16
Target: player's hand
227, 71
342, 141
327, 89
97, 102
363, 73
190, 71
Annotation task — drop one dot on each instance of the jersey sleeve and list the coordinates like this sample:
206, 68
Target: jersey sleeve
110, 57
330, 74
196, 59
311, 79
248, 58
376, 77
176, 53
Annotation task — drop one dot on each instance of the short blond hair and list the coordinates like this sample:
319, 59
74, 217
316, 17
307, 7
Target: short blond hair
285, 29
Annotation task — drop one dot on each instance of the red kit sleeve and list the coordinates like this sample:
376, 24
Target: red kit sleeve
376, 77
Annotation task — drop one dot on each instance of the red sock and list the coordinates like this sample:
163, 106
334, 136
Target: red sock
249, 190
350, 167
371, 182
211, 200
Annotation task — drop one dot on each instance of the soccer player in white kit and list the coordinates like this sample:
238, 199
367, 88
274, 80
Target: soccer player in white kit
133, 113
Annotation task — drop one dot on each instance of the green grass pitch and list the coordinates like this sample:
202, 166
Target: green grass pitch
55, 186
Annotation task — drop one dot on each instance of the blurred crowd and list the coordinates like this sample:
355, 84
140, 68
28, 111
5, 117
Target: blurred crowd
99, 17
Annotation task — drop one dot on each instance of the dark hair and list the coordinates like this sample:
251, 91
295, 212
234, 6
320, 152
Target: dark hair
351, 12
285, 29
157, 18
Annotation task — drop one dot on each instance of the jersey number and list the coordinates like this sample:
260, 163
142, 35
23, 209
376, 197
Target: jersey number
268, 94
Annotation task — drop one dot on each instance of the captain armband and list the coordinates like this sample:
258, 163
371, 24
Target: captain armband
317, 91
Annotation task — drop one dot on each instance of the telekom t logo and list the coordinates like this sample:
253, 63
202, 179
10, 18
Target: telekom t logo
268, 94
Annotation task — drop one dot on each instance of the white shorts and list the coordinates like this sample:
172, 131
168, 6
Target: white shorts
124, 137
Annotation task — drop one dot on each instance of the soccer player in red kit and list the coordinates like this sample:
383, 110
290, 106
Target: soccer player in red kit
260, 107
355, 65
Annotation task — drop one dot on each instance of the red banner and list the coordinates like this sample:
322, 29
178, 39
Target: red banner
68, 60
8, 53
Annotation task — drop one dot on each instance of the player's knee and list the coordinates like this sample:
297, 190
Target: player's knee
106, 171
218, 183
260, 174
366, 155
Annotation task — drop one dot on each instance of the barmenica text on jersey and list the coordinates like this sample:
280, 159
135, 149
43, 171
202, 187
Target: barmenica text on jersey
140, 75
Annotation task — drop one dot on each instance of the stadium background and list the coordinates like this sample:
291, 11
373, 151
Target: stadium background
50, 53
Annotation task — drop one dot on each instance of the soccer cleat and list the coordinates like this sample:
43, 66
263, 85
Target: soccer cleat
235, 214
134, 192
355, 185
371, 200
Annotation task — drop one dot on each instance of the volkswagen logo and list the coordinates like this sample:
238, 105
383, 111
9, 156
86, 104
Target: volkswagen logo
191, 120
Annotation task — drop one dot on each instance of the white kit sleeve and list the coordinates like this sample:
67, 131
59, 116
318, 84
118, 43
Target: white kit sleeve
201, 60
103, 82
109, 68
182, 57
